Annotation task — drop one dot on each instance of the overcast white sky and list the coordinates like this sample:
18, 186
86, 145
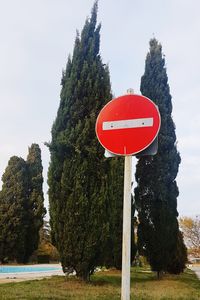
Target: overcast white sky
36, 38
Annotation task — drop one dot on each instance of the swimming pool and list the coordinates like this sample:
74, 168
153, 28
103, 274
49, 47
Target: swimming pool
27, 269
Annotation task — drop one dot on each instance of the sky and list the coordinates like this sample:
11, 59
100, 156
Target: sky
38, 35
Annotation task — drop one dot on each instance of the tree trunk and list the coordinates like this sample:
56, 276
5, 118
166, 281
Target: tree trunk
85, 277
158, 275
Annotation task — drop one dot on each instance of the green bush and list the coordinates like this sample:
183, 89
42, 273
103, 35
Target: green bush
43, 259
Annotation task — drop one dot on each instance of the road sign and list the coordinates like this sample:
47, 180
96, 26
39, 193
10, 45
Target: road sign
128, 124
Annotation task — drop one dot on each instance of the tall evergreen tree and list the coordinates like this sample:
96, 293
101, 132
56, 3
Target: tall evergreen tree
77, 175
113, 245
156, 193
13, 210
36, 209
21, 206
179, 256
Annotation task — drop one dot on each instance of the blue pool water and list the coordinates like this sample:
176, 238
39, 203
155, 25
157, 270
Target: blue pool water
26, 269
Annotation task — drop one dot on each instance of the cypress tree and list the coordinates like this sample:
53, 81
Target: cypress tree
77, 177
21, 206
156, 193
113, 247
179, 257
36, 210
13, 210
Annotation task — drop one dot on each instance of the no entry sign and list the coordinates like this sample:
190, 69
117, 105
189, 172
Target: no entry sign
128, 124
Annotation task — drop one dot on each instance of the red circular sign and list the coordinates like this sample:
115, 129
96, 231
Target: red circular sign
128, 124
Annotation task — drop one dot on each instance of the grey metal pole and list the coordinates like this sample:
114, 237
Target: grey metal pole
126, 243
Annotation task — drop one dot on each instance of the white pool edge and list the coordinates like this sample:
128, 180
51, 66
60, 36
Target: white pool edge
34, 274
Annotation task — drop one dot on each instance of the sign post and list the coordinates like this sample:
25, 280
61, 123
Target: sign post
126, 240
127, 126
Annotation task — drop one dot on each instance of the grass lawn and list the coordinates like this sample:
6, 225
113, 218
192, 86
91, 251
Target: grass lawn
106, 286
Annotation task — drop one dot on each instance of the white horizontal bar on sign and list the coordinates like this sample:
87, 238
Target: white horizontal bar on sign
124, 124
